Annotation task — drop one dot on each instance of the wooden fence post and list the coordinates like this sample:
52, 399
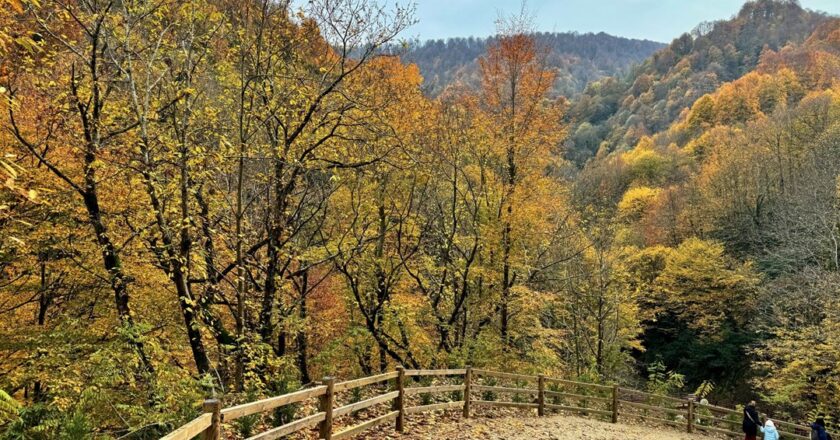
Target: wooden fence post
467, 391
615, 403
400, 398
541, 395
214, 432
690, 415
326, 406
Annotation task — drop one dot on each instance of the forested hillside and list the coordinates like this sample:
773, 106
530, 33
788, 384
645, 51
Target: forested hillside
616, 112
578, 59
235, 199
725, 224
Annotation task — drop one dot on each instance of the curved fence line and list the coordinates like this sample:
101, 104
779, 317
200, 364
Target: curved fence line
476, 387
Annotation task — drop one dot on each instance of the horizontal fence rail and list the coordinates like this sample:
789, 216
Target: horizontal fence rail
264, 405
472, 387
193, 428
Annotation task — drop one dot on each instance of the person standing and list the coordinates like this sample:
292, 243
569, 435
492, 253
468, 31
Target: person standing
818, 431
769, 430
751, 422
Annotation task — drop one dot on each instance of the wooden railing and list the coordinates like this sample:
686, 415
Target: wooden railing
471, 387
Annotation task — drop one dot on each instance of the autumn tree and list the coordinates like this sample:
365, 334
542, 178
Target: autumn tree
85, 119
523, 126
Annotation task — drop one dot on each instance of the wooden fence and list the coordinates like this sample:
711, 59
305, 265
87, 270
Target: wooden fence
467, 388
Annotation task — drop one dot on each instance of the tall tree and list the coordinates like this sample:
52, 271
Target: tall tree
523, 124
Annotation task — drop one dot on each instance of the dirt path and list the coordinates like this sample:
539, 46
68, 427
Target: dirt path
556, 427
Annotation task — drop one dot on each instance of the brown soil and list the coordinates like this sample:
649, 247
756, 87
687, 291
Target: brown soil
555, 427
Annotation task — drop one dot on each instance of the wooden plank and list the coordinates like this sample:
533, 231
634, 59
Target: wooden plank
504, 389
191, 429
288, 428
367, 403
467, 392
506, 404
719, 408
792, 425
690, 424
356, 383
651, 407
719, 420
786, 428
505, 375
264, 405
325, 405
434, 389
214, 431
579, 384
450, 372
434, 407
653, 396
349, 432
577, 396
399, 406
614, 404
579, 409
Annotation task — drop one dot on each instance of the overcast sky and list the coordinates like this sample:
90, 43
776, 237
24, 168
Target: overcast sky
659, 20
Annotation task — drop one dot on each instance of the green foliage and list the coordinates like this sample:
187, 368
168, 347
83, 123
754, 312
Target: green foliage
557, 388
489, 395
9, 407
246, 426
704, 389
663, 382
426, 398
76, 427
355, 395
37, 422
286, 413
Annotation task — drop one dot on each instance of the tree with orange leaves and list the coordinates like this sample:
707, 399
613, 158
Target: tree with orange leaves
525, 128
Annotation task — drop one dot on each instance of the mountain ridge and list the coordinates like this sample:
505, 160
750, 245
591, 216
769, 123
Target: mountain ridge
616, 112
578, 58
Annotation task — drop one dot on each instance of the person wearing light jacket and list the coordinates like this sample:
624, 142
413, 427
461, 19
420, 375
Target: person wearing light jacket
769, 430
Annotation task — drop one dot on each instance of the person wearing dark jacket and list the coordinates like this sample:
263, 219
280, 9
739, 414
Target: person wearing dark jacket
751, 422
818, 431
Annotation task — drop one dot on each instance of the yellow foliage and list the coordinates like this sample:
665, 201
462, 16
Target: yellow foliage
645, 165
636, 200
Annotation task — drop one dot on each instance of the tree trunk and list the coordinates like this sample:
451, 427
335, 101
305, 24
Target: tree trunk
303, 361
112, 264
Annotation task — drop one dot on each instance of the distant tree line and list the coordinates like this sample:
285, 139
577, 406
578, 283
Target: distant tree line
577, 59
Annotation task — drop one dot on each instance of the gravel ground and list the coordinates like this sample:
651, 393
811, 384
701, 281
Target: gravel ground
557, 427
